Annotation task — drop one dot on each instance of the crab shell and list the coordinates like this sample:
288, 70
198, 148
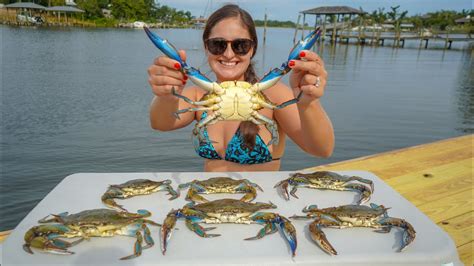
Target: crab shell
236, 101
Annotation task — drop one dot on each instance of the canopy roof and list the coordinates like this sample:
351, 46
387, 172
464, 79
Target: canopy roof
332, 10
64, 9
463, 20
28, 5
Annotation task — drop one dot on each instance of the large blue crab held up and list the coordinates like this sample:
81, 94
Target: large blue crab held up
234, 100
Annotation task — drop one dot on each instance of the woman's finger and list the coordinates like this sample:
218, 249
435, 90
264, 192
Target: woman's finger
155, 70
311, 67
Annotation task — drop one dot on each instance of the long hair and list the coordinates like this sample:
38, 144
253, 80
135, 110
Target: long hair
248, 130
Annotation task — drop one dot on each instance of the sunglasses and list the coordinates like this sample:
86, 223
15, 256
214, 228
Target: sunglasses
217, 46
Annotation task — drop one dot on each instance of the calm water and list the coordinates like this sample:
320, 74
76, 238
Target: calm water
76, 100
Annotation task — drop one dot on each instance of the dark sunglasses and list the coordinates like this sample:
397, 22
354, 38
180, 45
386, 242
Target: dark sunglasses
217, 46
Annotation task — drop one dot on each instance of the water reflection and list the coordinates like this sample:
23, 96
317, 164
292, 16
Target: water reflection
465, 93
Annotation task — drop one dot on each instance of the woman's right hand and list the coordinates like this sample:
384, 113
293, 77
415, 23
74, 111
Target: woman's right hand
164, 75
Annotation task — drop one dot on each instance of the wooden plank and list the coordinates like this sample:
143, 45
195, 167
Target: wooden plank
450, 206
460, 228
439, 182
465, 253
394, 163
4, 235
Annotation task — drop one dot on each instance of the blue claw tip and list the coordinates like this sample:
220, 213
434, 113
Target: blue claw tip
167, 48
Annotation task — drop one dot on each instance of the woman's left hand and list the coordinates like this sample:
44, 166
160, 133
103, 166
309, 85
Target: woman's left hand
309, 76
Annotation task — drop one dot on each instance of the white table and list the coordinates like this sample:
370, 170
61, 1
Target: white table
356, 246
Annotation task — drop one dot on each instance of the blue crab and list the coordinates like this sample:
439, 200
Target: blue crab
228, 211
326, 180
87, 224
134, 188
220, 185
348, 216
234, 100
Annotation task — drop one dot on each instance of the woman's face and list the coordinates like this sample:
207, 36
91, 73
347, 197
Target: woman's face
229, 66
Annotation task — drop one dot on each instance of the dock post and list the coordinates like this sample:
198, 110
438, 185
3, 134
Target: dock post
426, 43
324, 29
296, 28
403, 42
265, 28
449, 45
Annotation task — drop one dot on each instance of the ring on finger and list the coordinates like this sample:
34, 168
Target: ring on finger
318, 82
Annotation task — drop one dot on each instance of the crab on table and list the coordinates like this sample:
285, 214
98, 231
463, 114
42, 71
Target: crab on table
228, 211
220, 185
134, 188
87, 224
347, 216
326, 180
234, 100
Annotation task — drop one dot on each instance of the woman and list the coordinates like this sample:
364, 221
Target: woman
240, 146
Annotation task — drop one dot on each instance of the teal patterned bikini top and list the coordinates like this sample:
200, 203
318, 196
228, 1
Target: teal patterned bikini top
236, 151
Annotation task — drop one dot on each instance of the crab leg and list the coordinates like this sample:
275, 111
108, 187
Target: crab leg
276, 74
271, 126
364, 191
248, 182
48, 245
362, 180
319, 237
274, 219
280, 106
191, 109
268, 229
250, 192
199, 230
186, 99
110, 195
209, 120
194, 196
283, 188
169, 50
167, 229
409, 232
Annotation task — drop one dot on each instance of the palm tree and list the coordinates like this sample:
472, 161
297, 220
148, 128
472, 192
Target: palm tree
397, 18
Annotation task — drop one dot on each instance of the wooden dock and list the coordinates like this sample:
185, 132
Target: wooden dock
400, 41
436, 177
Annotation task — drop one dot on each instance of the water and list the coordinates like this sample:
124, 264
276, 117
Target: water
76, 100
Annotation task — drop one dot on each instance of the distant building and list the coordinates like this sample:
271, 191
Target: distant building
107, 13
70, 3
199, 22
465, 20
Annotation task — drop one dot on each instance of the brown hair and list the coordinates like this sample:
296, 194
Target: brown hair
248, 130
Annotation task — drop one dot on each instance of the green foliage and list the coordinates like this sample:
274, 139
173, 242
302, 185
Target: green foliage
91, 8
275, 23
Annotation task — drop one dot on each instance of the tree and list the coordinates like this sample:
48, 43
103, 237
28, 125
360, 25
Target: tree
91, 8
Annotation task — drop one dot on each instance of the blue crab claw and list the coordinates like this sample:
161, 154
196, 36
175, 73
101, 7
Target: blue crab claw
167, 229
272, 219
409, 232
272, 77
169, 50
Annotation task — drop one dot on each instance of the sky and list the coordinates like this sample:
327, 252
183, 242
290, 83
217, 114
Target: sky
288, 9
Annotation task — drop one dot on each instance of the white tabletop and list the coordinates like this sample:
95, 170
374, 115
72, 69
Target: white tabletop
356, 246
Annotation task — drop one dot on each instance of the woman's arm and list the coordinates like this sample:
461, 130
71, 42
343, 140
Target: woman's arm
306, 123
